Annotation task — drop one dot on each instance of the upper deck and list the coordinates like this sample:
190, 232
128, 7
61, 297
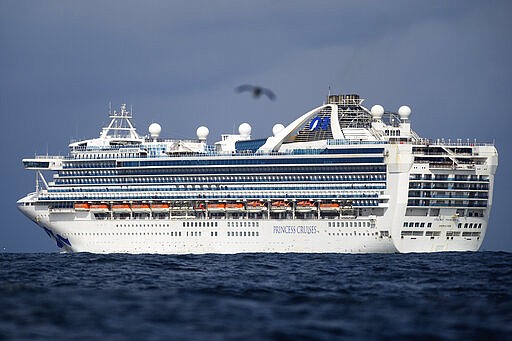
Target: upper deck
340, 126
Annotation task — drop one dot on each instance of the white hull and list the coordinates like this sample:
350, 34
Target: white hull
179, 236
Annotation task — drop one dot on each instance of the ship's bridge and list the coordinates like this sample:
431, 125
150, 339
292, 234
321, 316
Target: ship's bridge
44, 163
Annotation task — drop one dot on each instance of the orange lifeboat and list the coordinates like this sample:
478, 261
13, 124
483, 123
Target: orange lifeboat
333, 206
280, 206
234, 206
82, 207
217, 207
120, 207
160, 207
305, 205
256, 206
99, 207
140, 207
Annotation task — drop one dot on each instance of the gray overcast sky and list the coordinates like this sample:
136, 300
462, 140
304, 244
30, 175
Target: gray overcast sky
177, 63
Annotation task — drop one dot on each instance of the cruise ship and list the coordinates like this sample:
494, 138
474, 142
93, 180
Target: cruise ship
340, 178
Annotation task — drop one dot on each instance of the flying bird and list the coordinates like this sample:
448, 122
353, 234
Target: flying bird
256, 91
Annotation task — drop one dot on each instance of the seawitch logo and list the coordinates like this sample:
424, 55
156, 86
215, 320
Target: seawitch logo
319, 123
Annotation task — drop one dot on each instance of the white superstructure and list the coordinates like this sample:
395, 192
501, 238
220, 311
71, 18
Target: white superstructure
340, 178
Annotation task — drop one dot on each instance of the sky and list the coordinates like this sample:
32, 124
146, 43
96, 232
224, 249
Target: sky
178, 62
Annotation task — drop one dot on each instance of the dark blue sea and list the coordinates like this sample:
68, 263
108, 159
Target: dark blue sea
445, 296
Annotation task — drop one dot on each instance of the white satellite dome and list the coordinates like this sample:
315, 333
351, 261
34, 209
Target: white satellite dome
245, 130
277, 128
404, 112
154, 130
202, 133
377, 111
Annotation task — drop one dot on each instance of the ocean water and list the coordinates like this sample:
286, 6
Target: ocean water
451, 296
